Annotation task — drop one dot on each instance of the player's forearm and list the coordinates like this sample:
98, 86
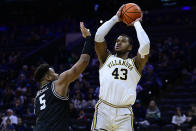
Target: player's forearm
82, 63
88, 45
105, 28
85, 56
143, 39
84, 60
79, 67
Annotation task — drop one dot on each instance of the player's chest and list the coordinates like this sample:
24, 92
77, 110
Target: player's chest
118, 69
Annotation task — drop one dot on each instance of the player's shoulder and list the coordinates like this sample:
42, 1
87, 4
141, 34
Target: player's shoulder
56, 94
109, 57
132, 58
43, 89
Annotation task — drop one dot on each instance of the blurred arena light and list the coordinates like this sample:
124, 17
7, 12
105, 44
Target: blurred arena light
96, 7
186, 8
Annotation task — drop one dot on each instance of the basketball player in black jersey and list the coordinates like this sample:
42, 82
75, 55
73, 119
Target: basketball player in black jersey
51, 105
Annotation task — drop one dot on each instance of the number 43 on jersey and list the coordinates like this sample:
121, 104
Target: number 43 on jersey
115, 73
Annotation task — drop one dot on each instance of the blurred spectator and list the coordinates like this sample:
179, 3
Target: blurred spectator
90, 101
178, 129
18, 107
20, 126
82, 115
178, 119
153, 114
190, 119
139, 116
139, 111
30, 108
186, 75
91, 91
97, 91
11, 116
79, 102
194, 128
8, 96
72, 111
8, 126
151, 81
194, 76
193, 108
139, 88
1, 124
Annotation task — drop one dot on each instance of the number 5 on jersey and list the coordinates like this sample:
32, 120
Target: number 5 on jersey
42, 102
116, 74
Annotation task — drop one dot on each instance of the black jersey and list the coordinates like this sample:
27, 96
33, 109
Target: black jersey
51, 110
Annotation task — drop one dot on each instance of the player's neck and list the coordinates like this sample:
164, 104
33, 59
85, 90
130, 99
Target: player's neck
122, 55
43, 83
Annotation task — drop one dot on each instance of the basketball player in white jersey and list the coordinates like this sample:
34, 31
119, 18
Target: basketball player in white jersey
118, 76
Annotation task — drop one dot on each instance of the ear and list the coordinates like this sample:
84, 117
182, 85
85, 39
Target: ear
48, 77
130, 47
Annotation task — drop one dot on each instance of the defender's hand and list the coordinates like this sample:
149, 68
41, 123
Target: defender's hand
85, 32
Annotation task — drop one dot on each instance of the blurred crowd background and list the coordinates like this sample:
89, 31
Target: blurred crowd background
34, 32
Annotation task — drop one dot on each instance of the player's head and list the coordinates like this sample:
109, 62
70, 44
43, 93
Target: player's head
123, 44
45, 73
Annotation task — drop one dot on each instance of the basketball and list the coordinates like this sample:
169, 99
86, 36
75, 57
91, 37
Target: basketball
130, 12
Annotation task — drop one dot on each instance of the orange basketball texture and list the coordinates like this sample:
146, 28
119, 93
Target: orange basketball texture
130, 12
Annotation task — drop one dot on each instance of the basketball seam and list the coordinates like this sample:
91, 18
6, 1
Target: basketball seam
129, 8
124, 13
125, 19
133, 12
129, 17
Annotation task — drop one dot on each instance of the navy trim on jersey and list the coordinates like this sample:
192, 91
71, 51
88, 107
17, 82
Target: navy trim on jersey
57, 95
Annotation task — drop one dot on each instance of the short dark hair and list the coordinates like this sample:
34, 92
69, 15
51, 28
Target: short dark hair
129, 38
40, 72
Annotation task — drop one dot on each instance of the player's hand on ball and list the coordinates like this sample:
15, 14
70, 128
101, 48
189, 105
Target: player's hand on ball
85, 32
139, 19
119, 13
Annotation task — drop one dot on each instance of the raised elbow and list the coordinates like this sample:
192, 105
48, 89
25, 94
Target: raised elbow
99, 37
144, 49
148, 42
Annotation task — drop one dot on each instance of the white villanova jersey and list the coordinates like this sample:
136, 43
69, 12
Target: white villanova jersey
118, 81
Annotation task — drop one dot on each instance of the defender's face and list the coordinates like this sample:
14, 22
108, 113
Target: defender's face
53, 76
122, 44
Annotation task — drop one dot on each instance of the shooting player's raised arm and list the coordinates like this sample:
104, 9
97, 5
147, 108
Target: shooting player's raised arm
100, 43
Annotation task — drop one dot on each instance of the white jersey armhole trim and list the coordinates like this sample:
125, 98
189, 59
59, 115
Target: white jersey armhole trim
105, 61
135, 67
57, 95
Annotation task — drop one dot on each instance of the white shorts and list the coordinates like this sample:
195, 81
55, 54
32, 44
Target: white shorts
107, 118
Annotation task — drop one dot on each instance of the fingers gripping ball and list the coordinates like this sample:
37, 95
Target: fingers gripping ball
130, 12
